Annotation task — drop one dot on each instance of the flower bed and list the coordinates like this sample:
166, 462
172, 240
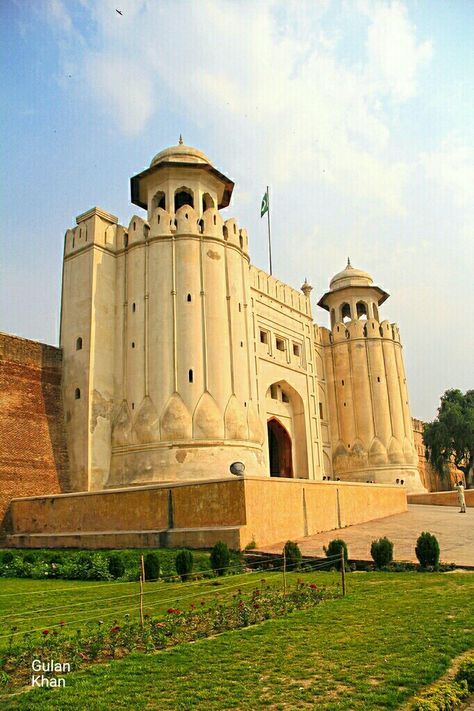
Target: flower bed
99, 641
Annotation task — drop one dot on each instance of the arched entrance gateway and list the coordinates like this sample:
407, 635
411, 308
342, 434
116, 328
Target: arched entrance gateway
279, 449
286, 431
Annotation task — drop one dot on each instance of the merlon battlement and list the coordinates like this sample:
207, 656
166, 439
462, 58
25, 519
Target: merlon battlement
278, 290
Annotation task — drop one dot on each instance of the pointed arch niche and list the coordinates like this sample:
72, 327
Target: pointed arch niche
286, 431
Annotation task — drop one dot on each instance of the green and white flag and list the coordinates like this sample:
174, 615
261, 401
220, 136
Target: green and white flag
265, 205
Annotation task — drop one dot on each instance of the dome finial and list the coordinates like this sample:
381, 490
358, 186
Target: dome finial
306, 288
349, 262
180, 142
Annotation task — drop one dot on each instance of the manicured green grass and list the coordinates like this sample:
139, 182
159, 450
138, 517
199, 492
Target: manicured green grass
27, 605
391, 635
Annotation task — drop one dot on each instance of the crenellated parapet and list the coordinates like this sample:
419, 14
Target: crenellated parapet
279, 291
94, 228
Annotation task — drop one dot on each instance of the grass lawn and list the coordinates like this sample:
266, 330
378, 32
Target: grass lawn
391, 635
38, 604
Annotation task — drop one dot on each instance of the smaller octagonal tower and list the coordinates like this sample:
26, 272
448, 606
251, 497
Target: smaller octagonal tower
370, 421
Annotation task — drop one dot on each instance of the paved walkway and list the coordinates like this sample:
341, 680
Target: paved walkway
454, 531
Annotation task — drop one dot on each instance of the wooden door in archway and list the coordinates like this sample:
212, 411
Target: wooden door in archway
279, 448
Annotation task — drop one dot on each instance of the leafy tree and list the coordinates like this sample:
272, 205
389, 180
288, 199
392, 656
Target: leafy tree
450, 437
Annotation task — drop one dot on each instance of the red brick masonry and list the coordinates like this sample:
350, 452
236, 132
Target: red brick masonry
33, 454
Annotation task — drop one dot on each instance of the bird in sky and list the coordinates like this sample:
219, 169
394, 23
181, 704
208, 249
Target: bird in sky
119, 12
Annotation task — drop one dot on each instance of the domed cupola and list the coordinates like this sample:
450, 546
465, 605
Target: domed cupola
350, 277
177, 176
352, 295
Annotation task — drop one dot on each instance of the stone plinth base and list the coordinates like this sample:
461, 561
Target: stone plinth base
386, 474
196, 515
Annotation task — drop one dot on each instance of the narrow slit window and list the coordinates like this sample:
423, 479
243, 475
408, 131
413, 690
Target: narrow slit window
77, 394
134, 307
263, 337
191, 376
321, 411
79, 344
188, 298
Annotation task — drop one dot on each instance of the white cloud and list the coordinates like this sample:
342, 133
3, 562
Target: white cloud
123, 90
451, 166
58, 16
266, 74
394, 54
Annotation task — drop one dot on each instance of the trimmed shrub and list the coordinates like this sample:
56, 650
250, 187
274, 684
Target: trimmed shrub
381, 551
116, 566
7, 557
441, 697
29, 557
152, 566
466, 672
334, 548
427, 550
220, 558
184, 564
293, 555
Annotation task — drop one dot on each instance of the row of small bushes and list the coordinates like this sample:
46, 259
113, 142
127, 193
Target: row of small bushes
427, 551
445, 695
98, 641
118, 565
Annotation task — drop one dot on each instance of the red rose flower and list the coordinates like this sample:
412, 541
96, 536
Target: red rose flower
45, 632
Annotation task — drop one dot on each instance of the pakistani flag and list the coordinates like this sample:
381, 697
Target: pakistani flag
265, 205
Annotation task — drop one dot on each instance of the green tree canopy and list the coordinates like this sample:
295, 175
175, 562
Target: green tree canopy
450, 437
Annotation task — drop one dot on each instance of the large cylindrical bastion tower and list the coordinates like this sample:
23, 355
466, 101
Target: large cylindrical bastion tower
169, 371
371, 428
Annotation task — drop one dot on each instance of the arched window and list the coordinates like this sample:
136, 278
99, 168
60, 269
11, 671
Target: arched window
207, 202
183, 196
159, 200
361, 310
79, 344
77, 394
345, 313
188, 298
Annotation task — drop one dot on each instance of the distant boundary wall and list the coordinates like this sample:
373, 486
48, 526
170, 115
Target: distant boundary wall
442, 498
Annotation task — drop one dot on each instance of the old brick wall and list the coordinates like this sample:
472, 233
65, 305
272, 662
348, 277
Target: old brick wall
33, 454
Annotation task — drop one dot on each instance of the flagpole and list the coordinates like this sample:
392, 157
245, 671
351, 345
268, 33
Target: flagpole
269, 232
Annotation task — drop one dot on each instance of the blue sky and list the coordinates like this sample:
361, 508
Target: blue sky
358, 114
